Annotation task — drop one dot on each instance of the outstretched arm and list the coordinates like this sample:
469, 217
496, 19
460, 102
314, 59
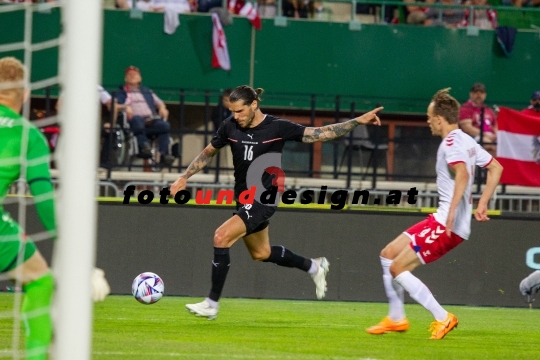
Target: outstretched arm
494, 172
331, 132
196, 165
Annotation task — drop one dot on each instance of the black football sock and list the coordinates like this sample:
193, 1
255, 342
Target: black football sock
220, 268
284, 257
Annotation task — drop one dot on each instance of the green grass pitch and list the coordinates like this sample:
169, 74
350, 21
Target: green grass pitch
282, 329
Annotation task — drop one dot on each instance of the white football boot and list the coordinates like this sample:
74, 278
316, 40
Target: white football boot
320, 276
203, 309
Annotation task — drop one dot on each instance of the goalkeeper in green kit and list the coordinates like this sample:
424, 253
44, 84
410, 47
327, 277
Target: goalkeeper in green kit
24, 154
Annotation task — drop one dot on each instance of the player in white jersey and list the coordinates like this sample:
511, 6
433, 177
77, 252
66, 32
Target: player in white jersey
428, 240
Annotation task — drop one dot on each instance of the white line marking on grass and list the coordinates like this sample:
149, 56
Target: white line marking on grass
230, 356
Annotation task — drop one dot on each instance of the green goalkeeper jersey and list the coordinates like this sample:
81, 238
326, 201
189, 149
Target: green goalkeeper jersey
24, 153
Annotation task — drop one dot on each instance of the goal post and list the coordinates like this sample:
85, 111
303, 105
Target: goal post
74, 253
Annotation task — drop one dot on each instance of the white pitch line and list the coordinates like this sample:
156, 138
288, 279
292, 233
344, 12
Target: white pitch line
230, 356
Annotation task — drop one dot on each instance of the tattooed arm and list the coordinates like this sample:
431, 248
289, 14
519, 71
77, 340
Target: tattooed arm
196, 165
331, 132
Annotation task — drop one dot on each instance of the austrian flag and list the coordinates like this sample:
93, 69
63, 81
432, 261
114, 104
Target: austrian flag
220, 52
249, 11
246, 8
518, 147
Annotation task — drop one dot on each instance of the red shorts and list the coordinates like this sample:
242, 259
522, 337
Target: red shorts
429, 239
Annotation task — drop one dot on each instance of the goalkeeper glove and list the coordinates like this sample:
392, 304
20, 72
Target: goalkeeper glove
100, 286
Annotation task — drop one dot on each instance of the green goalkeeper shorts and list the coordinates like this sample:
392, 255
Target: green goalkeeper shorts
11, 244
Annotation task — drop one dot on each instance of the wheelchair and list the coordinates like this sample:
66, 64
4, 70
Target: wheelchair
118, 144
121, 148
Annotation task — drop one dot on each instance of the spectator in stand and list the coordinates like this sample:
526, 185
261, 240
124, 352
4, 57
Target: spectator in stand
534, 108
267, 8
149, 115
522, 3
298, 9
416, 15
448, 17
21, 1
179, 6
485, 19
470, 118
206, 5
144, 5
221, 111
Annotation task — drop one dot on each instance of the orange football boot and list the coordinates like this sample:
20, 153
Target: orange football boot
388, 325
439, 329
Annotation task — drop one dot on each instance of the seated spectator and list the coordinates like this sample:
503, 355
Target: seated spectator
179, 6
297, 8
144, 5
206, 5
221, 111
149, 115
521, 3
267, 8
416, 15
448, 17
534, 108
470, 118
485, 19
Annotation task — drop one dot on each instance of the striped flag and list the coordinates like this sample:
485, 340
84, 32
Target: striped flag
518, 147
220, 52
249, 11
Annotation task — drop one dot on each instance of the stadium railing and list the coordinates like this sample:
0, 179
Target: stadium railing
507, 15
410, 144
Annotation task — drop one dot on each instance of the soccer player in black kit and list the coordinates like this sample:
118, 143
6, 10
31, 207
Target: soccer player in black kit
251, 135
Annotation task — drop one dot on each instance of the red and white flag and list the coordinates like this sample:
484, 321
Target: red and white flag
249, 11
220, 52
518, 147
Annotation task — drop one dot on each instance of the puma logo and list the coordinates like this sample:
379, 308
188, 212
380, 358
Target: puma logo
249, 216
250, 136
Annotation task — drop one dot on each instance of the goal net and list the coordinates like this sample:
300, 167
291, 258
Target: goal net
77, 72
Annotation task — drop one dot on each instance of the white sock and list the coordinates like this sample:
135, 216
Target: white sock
421, 294
213, 304
314, 268
394, 292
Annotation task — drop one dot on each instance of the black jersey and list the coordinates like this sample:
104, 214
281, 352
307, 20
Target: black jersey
247, 144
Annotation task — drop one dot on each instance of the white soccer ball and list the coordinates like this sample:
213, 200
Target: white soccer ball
147, 288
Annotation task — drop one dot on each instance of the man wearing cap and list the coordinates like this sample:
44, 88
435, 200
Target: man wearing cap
534, 108
149, 115
475, 113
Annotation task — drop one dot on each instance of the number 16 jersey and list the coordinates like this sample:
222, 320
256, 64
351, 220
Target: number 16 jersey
249, 143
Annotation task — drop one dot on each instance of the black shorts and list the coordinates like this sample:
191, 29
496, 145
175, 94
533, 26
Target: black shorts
255, 216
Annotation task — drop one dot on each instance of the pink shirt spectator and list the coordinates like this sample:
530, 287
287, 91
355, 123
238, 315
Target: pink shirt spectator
140, 107
469, 111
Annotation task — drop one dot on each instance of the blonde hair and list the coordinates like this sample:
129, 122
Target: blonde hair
446, 105
12, 76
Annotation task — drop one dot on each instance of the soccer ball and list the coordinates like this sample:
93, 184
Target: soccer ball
147, 288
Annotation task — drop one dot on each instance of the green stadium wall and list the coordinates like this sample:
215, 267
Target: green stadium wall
398, 66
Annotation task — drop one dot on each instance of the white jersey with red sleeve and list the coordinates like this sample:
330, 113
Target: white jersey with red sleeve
458, 147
